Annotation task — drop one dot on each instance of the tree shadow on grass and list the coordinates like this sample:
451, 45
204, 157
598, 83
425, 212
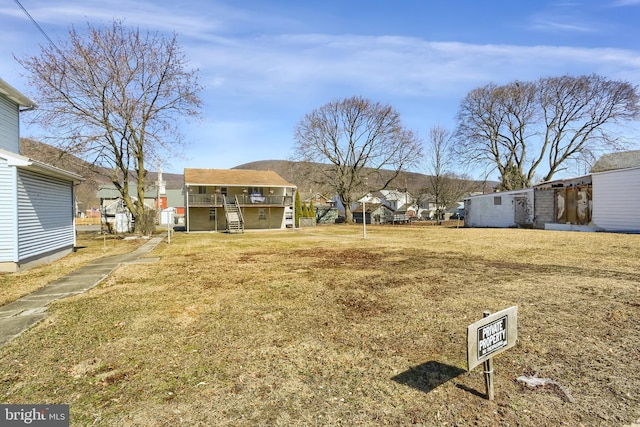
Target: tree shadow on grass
428, 376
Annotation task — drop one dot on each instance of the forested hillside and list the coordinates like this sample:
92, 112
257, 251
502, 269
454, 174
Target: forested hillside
297, 173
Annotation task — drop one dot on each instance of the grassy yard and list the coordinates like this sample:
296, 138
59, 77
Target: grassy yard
90, 246
320, 327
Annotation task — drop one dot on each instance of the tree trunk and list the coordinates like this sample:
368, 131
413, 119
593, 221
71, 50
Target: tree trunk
348, 215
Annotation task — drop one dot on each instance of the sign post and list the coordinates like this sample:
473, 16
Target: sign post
488, 337
488, 369
364, 220
168, 216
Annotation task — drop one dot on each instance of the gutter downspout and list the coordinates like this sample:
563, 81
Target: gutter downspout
187, 204
75, 205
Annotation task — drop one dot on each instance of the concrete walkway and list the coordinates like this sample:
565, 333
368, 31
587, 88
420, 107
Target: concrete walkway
20, 315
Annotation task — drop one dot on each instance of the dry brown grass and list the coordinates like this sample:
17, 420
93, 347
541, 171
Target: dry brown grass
89, 247
319, 327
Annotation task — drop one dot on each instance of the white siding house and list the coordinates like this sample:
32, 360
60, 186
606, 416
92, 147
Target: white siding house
608, 199
37, 218
616, 200
502, 209
11, 101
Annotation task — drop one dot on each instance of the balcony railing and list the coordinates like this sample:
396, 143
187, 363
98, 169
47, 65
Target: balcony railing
243, 200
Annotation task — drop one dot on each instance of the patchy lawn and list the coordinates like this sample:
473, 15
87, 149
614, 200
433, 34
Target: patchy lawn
89, 246
321, 327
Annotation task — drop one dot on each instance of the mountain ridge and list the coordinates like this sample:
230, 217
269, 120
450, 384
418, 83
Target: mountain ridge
296, 173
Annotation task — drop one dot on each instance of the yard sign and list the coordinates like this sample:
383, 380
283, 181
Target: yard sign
488, 337
491, 335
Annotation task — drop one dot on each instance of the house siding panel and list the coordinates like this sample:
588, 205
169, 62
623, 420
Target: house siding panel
483, 211
7, 213
202, 219
45, 214
616, 200
9, 125
263, 218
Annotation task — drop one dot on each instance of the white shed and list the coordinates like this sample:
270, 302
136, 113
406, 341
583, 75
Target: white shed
502, 209
36, 200
616, 200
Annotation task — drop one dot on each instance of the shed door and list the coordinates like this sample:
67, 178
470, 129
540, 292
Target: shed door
521, 213
45, 214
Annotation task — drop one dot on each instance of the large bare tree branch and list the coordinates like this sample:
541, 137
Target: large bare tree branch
114, 96
519, 126
357, 139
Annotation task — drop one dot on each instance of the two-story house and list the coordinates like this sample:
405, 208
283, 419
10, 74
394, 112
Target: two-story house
237, 199
37, 214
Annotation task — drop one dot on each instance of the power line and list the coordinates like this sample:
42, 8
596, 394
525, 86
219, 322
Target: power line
36, 24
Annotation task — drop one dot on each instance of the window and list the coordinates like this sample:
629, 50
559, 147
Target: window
212, 214
497, 200
262, 214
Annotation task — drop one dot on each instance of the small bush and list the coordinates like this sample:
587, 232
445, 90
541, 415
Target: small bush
146, 224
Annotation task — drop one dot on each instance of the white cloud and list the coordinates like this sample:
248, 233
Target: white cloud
279, 79
262, 72
623, 3
551, 25
201, 20
403, 66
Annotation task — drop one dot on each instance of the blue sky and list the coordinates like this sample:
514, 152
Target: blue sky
265, 64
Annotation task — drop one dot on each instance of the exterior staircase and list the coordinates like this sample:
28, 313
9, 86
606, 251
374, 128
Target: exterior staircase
235, 222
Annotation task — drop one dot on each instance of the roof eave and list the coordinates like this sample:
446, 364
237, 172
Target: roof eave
17, 97
23, 162
262, 184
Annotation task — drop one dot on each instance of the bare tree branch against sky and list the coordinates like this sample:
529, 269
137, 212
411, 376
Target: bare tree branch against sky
264, 65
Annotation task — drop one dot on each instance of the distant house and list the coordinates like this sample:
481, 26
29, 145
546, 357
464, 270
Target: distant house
617, 161
115, 216
608, 199
237, 199
357, 213
37, 200
325, 208
387, 206
167, 202
456, 212
377, 213
398, 201
320, 199
428, 209
108, 193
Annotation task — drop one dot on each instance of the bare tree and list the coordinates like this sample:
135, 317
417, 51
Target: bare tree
358, 139
443, 186
440, 144
521, 126
114, 96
